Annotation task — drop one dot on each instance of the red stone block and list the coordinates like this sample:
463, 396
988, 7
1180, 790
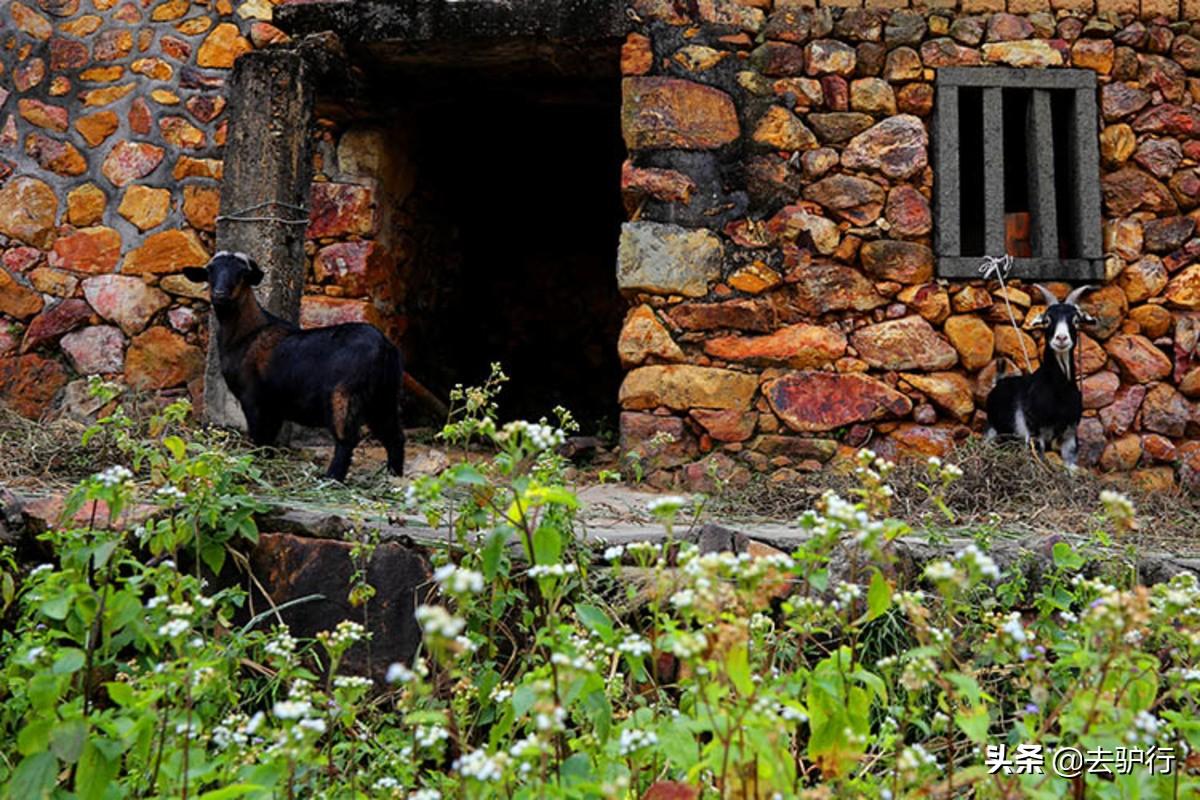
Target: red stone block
67, 54
161, 359
318, 311
29, 383
341, 209
672, 113
822, 401
361, 268
49, 325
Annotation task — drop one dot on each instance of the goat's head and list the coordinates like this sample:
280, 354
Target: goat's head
229, 276
1062, 319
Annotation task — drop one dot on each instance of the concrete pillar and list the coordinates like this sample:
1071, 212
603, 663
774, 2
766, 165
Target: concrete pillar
268, 171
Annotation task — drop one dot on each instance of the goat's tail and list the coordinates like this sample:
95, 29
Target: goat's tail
425, 397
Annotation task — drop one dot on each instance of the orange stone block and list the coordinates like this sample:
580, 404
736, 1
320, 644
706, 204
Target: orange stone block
166, 252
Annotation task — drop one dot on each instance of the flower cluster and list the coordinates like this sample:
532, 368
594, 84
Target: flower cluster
458, 580
634, 739
538, 434
552, 570
114, 476
482, 767
436, 621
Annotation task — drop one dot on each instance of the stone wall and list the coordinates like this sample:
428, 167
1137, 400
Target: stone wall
778, 254
777, 257
111, 126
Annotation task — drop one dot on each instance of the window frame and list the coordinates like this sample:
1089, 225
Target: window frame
1084, 161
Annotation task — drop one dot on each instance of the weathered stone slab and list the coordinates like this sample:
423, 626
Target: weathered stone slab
294, 567
668, 259
822, 401
682, 386
672, 113
907, 343
796, 346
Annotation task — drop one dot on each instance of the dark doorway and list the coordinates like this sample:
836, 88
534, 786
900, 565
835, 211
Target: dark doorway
512, 229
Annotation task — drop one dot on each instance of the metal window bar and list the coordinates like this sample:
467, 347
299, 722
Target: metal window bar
1082, 164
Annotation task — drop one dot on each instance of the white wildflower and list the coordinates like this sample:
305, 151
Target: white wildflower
552, 570
437, 621
482, 767
173, 628
634, 739
292, 709
457, 580
398, 673
635, 645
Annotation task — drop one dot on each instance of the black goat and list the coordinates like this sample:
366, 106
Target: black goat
1046, 405
336, 378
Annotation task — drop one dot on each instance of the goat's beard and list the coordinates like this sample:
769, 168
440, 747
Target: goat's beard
1064, 362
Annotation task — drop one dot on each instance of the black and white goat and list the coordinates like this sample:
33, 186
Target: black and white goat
1045, 406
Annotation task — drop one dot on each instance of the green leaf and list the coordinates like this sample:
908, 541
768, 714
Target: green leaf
34, 777
599, 711
35, 736
596, 621
176, 446
967, 685
493, 551
213, 555
819, 579
523, 699
121, 693
974, 723
737, 666
235, 790
66, 740
466, 475
1066, 558
547, 544
43, 691
70, 660
879, 595
95, 771
56, 607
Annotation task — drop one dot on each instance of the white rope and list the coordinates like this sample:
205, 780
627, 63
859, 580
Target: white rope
998, 267
242, 214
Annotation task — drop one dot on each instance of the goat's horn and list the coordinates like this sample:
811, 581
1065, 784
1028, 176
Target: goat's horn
1051, 300
1075, 294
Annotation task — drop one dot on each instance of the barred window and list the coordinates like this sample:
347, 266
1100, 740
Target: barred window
1017, 171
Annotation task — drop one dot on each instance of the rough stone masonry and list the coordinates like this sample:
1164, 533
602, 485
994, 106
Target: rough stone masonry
777, 257
778, 253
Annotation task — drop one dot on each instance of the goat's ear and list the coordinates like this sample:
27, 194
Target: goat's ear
1040, 321
196, 274
256, 273
1087, 319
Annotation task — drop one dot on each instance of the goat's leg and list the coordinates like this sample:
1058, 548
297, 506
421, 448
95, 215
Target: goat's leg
1069, 449
390, 432
345, 418
343, 452
262, 427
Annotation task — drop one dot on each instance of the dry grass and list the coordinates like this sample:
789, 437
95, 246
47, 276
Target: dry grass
1002, 488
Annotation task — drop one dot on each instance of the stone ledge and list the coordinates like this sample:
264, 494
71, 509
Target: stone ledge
422, 20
